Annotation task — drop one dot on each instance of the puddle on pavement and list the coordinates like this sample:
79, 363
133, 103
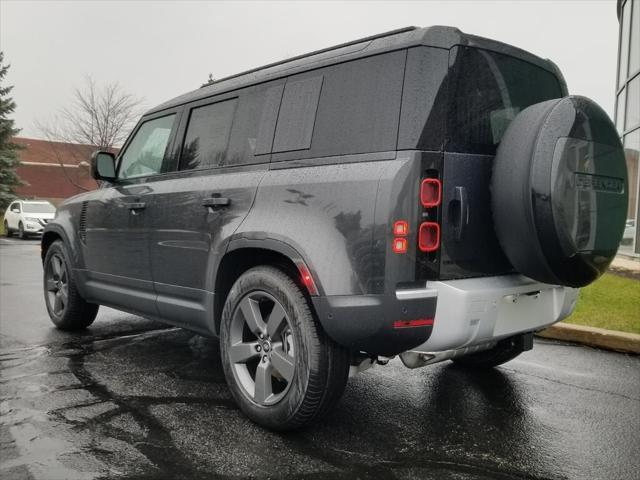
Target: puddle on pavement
66, 422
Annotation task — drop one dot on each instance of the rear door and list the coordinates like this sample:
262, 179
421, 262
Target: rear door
116, 243
486, 91
223, 150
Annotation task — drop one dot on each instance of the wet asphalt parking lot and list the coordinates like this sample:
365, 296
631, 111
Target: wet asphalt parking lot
134, 399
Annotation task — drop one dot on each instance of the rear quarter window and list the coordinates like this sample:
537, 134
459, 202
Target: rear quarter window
297, 114
358, 109
253, 126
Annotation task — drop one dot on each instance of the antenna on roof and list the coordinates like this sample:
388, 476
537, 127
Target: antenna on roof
208, 82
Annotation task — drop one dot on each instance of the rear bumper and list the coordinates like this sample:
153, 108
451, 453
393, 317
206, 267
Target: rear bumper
478, 311
468, 314
366, 322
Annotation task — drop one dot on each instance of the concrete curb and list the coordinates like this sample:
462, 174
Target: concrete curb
594, 337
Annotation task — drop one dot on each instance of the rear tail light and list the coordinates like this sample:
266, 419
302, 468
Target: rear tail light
429, 237
401, 228
430, 192
400, 245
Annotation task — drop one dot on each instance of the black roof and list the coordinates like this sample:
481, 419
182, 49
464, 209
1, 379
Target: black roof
436, 36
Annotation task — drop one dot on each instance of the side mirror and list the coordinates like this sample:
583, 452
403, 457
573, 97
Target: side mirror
103, 166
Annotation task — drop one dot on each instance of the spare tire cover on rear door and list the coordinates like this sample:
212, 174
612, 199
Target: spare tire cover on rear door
559, 191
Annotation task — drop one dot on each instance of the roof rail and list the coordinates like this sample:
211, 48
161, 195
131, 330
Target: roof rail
316, 52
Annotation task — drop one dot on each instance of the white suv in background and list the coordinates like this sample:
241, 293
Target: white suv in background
28, 217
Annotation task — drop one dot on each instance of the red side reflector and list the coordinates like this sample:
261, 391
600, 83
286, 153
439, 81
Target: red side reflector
420, 322
400, 245
401, 228
307, 279
430, 192
429, 237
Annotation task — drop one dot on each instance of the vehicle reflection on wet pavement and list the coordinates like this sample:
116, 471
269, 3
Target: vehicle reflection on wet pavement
130, 398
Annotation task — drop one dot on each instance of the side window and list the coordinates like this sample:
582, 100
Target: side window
14, 206
297, 114
252, 132
205, 143
145, 153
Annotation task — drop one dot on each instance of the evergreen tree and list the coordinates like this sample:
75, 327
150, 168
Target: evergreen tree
9, 159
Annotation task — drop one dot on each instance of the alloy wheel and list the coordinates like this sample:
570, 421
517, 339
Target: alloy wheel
261, 349
57, 285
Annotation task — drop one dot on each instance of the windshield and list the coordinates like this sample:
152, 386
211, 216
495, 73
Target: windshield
487, 90
44, 207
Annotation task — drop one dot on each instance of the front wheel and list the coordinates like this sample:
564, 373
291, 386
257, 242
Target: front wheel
282, 369
21, 233
67, 309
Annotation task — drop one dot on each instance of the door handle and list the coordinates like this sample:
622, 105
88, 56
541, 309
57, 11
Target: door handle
134, 207
214, 202
463, 219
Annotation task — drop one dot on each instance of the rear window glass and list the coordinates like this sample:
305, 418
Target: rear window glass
487, 90
207, 137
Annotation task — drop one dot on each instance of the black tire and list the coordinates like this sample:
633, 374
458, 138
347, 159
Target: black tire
21, 233
320, 367
505, 351
72, 312
7, 230
559, 191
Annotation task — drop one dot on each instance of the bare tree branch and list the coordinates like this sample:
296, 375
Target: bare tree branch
98, 115
101, 116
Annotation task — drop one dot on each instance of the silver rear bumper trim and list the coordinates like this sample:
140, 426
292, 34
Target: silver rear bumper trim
413, 293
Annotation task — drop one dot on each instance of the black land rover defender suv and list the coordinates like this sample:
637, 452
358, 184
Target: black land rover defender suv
423, 193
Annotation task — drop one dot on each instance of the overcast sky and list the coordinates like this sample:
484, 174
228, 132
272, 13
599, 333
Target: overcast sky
160, 49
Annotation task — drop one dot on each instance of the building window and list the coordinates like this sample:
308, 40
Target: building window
634, 48
628, 114
632, 118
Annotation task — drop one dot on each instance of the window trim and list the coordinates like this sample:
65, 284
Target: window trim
168, 153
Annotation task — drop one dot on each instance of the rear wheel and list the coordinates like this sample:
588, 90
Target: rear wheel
283, 371
67, 309
7, 230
